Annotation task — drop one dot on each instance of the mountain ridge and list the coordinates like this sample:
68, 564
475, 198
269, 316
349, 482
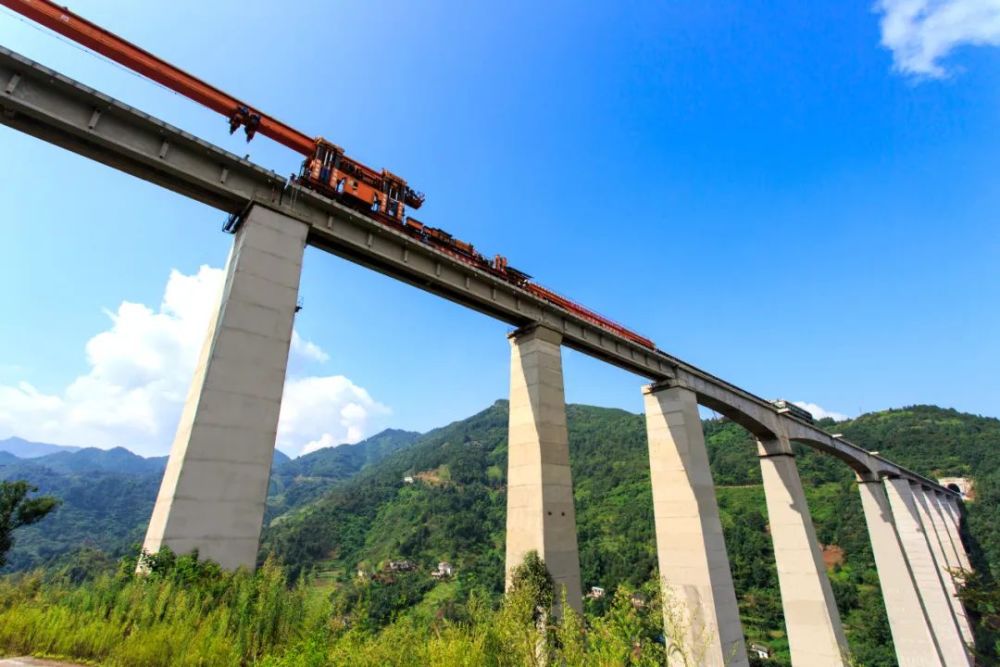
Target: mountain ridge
26, 449
107, 494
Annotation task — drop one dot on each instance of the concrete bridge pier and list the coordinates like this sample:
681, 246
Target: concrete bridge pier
952, 524
214, 488
815, 634
540, 511
941, 526
941, 558
701, 615
916, 546
912, 636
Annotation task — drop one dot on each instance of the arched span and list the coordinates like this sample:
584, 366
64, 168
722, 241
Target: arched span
859, 459
766, 424
756, 416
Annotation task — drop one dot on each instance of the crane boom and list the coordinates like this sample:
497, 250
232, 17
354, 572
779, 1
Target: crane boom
381, 195
123, 52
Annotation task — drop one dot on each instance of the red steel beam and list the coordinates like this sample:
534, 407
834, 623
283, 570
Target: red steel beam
108, 44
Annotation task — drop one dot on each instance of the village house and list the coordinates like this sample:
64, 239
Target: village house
401, 566
444, 570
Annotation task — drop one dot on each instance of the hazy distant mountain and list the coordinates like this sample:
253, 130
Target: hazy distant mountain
107, 494
26, 449
91, 459
23, 455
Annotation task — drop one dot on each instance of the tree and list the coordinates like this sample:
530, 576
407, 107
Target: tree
532, 579
17, 510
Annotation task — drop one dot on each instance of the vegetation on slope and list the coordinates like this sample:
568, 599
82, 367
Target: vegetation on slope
441, 496
185, 612
295, 482
17, 509
107, 495
454, 511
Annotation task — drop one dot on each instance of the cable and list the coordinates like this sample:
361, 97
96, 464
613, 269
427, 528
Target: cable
94, 54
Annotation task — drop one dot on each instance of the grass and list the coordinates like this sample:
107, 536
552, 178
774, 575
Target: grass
190, 613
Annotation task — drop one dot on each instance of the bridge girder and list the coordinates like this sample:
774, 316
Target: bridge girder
43, 103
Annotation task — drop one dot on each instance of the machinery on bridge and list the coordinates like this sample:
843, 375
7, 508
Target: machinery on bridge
787, 407
326, 169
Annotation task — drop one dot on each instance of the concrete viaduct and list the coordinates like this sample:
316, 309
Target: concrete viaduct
214, 489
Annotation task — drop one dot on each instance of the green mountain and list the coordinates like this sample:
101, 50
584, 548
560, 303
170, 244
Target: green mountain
454, 510
104, 511
441, 496
26, 449
108, 495
91, 459
296, 482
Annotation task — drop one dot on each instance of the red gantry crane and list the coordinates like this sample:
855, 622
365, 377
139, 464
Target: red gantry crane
378, 194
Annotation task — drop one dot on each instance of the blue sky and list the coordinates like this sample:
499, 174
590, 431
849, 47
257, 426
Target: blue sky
799, 197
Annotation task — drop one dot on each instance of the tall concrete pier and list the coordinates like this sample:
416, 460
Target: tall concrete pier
925, 572
215, 486
701, 615
945, 568
815, 635
912, 634
540, 512
953, 524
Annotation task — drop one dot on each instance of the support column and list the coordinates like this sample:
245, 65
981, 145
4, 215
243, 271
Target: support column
939, 553
815, 634
952, 524
925, 573
540, 513
911, 631
215, 484
701, 615
941, 525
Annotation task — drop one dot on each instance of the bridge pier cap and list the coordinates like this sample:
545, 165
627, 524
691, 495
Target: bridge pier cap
542, 331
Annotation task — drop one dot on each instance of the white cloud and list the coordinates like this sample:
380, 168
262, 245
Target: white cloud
920, 33
819, 412
140, 370
307, 350
323, 411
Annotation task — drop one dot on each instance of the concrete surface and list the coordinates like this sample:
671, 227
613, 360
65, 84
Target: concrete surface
699, 597
938, 541
815, 635
911, 632
925, 572
540, 512
215, 485
952, 524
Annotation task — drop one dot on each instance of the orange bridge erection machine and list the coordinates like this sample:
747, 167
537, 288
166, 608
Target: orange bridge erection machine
326, 169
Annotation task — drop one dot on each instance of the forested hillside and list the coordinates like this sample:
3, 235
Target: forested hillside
295, 482
441, 497
454, 510
107, 495
105, 502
